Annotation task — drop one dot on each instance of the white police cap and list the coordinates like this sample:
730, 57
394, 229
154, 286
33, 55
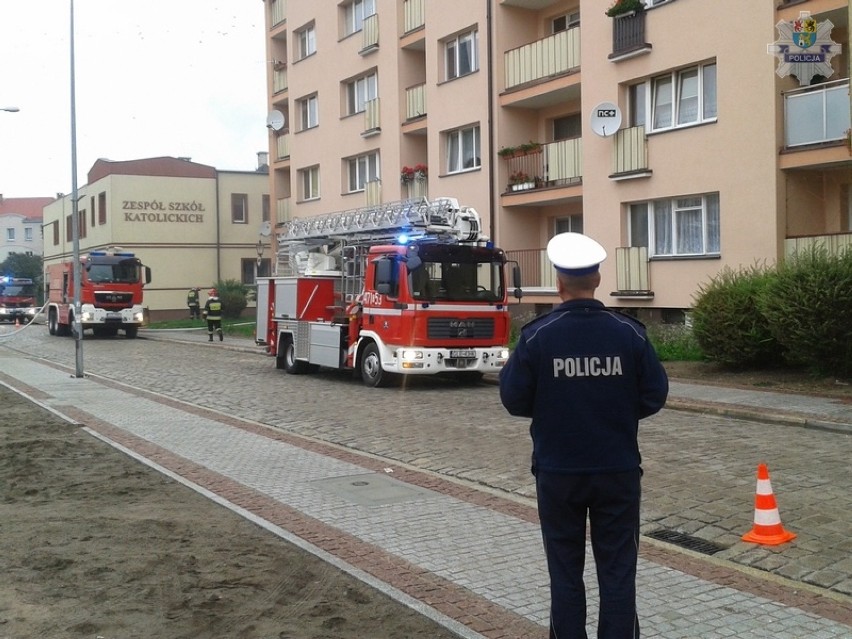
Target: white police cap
575, 253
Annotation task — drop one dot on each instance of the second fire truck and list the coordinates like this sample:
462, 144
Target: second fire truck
17, 299
403, 288
111, 286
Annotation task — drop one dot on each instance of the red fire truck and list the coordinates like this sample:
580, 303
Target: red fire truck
111, 285
403, 288
17, 299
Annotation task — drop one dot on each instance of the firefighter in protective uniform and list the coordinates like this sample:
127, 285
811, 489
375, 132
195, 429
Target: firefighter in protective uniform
194, 303
586, 375
213, 314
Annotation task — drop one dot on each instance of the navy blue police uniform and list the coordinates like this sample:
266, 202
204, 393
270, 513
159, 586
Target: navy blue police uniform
586, 375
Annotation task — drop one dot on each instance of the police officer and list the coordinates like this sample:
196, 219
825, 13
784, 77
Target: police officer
193, 303
586, 375
213, 315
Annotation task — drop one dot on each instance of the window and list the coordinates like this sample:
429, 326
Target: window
239, 208
565, 22
354, 14
264, 207
102, 212
463, 149
308, 112
10, 235
55, 228
251, 270
92, 209
681, 98
309, 183
363, 169
361, 91
69, 231
685, 226
306, 41
28, 234
567, 127
81, 223
570, 224
461, 54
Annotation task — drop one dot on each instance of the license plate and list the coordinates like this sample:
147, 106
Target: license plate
462, 354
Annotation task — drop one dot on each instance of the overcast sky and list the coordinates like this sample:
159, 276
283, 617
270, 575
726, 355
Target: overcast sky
182, 78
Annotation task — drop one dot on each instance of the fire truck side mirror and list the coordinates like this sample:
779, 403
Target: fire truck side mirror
516, 281
147, 274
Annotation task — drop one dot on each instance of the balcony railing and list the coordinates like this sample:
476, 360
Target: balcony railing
416, 189
631, 263
370, 33
630, 150
556, 164
279, 80
373, 192
816, 114
833, 243
282, 146
282, 212
372, 120
278, 11
554, 55
628, 33
415, 102
414, 14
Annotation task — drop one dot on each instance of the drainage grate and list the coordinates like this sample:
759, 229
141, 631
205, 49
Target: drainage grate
687, 541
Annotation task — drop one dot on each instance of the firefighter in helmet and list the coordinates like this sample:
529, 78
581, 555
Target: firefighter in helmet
213, 314
193, 301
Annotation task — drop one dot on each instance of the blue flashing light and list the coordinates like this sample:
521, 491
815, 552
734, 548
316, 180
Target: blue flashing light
5, 279
97, 252
402, 238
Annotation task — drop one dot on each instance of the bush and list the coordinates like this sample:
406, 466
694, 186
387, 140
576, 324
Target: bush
234, 297
727, 323
809, 308
675, 343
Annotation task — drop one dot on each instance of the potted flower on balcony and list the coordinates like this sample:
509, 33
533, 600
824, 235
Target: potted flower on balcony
520, 181
530, 147
623, 7
406, 175
507, 152
421, 171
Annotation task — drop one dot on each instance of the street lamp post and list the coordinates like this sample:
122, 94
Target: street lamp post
75, 220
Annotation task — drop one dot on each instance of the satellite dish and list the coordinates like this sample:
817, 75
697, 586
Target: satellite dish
606, 119
265, 229
275, 120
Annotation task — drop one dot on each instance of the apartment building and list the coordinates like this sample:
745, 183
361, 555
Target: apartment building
20, 225
675, 132
191, 223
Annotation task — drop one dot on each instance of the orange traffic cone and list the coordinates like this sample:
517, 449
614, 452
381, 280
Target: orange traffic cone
767, 529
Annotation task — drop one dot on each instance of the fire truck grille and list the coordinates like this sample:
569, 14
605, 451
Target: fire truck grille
108, 298
473, 328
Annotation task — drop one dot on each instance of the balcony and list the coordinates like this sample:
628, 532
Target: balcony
372, 119
370, 35
628, 36
630, 154
631, 263
550, 165
414, 15
544, 59
277, 12
816, 114
833, 243
283, 210
279, 78
282, 146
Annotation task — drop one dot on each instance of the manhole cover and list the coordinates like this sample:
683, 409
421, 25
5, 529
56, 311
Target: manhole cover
687, 541
373, 489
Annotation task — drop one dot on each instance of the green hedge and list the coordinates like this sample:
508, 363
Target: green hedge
234, 297
728, 324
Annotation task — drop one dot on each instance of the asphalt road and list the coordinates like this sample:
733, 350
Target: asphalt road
699, 469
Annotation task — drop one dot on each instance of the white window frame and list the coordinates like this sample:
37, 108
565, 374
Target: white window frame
10, 235
308, 112
362, 169
463, 149
28, 234
360, 91
309, 183
239, 208
306, 41
355, 13
569, 20
469, 41
665, 222
683, 98
568, 224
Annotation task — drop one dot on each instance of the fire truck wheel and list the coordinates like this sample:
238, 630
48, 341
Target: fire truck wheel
131, 332
51, 321
372, 373
291, 365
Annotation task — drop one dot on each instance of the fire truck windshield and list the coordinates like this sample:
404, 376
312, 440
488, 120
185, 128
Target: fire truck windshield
17, 290
126, 272
473, 277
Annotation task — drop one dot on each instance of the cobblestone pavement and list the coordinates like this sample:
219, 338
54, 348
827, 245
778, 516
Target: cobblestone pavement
699, 472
